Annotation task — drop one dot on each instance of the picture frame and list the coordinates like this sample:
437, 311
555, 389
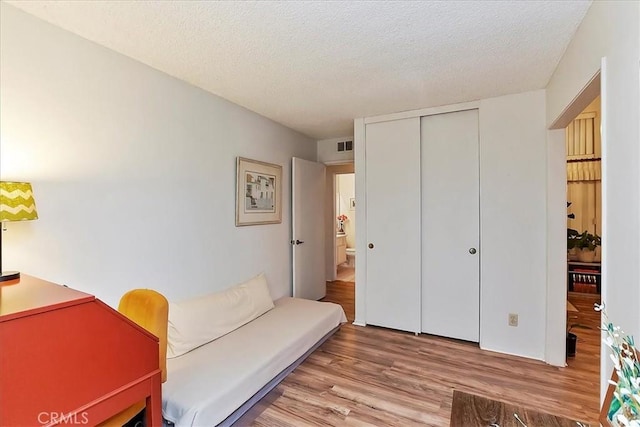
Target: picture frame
352, 204
258, 192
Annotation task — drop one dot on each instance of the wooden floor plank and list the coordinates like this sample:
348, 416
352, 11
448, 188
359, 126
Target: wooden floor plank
371, 376
411, 409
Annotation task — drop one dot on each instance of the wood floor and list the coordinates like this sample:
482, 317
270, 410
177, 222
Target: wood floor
345, 273
587, 359
369, 376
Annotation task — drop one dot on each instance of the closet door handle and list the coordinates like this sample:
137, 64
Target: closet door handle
472, 251
370, 245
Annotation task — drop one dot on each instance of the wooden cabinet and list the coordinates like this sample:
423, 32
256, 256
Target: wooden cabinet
583, 277
341, 249
67, 358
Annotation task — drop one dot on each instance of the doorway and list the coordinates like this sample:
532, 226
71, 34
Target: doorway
345, 204
584, 228
332, 210
559, 319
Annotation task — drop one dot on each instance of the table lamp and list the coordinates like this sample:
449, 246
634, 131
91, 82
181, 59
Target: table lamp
16, 204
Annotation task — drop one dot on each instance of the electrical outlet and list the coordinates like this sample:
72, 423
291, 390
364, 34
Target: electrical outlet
513, 319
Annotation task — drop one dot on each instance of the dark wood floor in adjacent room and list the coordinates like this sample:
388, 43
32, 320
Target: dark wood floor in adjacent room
369, 376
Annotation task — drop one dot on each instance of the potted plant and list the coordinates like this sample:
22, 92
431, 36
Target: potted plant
572, 239
572, 339
587, 244
341, 220
573, 236
622, 402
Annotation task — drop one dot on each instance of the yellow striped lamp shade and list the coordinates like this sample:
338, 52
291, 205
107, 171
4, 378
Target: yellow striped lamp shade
16, 202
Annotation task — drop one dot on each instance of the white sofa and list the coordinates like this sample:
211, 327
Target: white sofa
215, 383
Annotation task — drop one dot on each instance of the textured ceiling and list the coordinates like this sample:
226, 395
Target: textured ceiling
314, 66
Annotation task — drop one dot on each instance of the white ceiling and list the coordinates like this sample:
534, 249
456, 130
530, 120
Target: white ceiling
314, 66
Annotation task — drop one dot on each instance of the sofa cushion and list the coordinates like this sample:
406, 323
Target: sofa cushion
200, 320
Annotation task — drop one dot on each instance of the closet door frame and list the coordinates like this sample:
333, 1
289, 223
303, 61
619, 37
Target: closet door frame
360, 164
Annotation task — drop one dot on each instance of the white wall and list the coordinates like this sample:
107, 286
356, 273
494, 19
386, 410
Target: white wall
327, 151
513, 223
611, 30
359, 143
555, 351
133, 171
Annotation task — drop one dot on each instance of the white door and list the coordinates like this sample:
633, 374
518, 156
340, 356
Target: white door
307, 223
450, 225
393, 224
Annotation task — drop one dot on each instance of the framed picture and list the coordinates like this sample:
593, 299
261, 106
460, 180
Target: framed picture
258, 192
610, 405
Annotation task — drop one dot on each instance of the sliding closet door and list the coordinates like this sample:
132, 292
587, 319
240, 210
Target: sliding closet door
450, 225
393, 224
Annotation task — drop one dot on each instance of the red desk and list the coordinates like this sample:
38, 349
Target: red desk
68, 358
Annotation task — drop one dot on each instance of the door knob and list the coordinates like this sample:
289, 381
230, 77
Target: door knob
299, 242
472, 251
370, 245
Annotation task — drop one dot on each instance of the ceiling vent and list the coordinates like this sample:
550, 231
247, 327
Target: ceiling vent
345, 146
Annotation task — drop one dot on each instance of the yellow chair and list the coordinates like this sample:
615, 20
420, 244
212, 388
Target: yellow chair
150, 310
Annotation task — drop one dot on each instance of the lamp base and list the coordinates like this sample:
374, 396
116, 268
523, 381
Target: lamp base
9, 275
